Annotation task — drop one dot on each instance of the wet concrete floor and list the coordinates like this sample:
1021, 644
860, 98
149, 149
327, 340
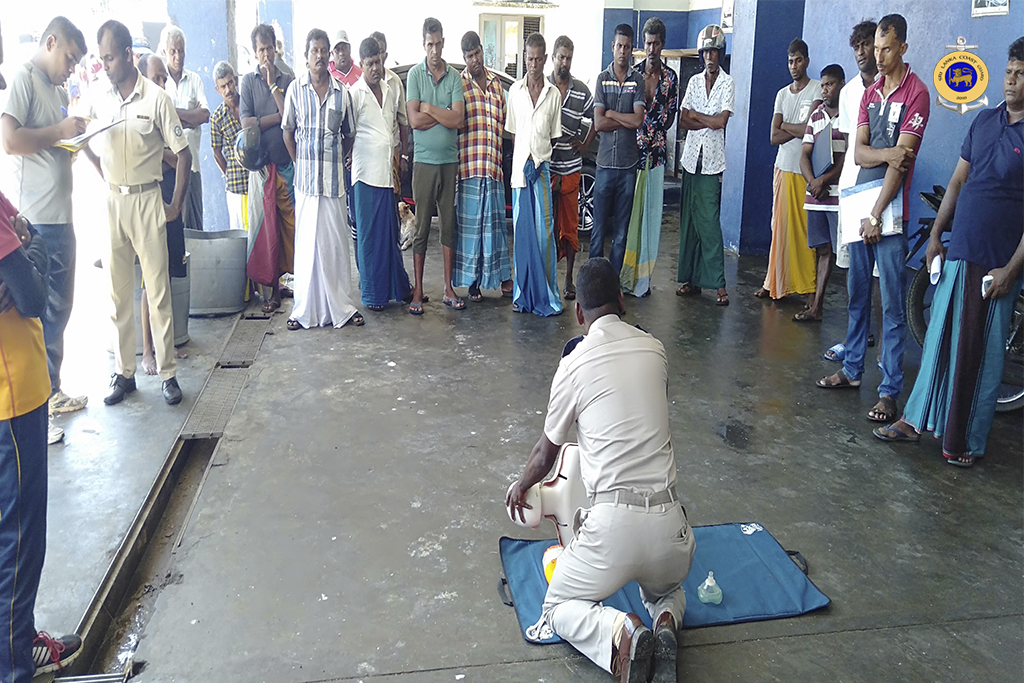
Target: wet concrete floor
350, 531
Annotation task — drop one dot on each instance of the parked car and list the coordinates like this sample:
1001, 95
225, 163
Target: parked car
586, 179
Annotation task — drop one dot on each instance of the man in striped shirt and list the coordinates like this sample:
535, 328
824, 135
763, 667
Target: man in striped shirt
578, 132
481, 259
318, 133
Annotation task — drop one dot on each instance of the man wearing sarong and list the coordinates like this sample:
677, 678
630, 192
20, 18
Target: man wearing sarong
261, 96
661, 94
224, 127
535, 119
790, 262
822, 199
318, 133
400, 167
707, 105
618, 113
436, 111
481, 258
578, 132
382, 275
893, 115
962, 360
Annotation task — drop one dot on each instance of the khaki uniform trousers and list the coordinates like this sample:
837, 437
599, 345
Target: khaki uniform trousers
616, 544
138, 225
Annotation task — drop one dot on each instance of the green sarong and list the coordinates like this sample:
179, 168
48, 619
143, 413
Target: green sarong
701, 250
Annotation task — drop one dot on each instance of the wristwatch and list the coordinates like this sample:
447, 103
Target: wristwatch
875, 222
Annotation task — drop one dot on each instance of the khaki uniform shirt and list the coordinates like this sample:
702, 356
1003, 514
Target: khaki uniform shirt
133, 150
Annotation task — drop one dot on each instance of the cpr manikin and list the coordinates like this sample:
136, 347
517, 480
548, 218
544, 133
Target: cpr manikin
558, 497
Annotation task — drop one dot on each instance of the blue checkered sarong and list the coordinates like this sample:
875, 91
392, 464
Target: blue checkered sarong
481, 242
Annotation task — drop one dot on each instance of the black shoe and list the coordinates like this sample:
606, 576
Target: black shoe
122, 387
172, 392
54, 654
666, 649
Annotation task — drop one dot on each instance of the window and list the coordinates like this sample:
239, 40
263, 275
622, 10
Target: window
504, 41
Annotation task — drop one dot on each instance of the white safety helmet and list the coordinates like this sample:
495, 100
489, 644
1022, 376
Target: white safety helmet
711, 38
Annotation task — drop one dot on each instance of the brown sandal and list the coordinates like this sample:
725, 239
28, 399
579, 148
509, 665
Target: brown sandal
838, 381
884, 410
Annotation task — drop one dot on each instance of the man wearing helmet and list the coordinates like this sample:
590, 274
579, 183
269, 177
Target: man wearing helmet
705, 111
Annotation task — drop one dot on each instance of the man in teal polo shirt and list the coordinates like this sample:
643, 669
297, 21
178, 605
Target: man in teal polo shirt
436, 111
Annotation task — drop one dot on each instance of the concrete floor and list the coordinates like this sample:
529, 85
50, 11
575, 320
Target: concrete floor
351, 530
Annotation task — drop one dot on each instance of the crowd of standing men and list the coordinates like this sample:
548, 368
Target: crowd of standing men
311, 162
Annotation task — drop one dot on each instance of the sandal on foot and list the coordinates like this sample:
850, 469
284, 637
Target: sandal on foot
375, 308
476, 296
838, 381
884, 410
893, 435
271, 306
836, 354
722, 300
408, 299
805, 316
570, 292
688, 290
416, 309
763, 294
293, 325
455, 303
964, 461
356, 320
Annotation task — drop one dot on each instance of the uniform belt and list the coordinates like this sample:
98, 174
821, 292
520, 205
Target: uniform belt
638, 499
134, 189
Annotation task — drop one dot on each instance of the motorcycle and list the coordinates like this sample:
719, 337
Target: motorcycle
919, 301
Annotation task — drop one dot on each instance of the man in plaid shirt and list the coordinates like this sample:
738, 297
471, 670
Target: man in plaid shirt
224, 126
481, 246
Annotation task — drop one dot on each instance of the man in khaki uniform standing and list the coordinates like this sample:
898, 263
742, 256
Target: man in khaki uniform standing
131, 164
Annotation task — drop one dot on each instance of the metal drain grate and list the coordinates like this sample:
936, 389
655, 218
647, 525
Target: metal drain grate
255, 310
244, 344
211, 412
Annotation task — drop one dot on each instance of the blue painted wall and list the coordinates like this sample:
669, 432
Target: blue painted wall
931, 26
762, 34
681, 28
676, 27
281, 12
206, 43
612, 18
698, 19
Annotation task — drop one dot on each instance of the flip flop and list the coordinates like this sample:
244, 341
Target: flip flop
271, 306
570, 293
963, 461
356, 320
836, 354
293, 325
375, 307
763, 294
843, 383
887, 413
805, 316
688, 290
456, 304
898, 437
416, 309
721, 299
476, 296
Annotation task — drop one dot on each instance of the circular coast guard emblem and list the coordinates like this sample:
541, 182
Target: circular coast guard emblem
960, 79
177, 131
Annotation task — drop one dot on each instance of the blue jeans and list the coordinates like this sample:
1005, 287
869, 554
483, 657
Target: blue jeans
891, 256
61, 247
22, 538
613, 203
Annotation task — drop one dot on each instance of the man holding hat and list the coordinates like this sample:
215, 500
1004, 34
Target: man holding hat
705, 110
342, 66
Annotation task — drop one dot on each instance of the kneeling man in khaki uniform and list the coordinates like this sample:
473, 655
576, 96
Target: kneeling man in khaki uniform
131, 164
612, 384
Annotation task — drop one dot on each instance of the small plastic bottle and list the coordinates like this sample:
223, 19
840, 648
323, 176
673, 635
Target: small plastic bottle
709, 592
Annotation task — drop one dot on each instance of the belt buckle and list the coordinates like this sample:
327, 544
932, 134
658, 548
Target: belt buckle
124, 189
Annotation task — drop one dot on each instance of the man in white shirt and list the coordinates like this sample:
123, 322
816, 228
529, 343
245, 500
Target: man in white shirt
186, 90
535, 119
612, 385
382, 276
401, 164
34, 118
707, 105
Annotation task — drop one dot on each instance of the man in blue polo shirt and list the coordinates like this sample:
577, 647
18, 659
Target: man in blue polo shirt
962, 360
619, 108
893, 115
436, 111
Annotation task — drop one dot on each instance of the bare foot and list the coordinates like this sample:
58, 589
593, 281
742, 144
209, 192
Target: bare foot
179, 354
149, 363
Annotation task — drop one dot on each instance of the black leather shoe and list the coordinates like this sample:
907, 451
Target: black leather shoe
666, 649
172, 392
122, 386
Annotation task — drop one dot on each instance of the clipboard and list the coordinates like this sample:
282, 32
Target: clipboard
76, 143
822, 157
856, 203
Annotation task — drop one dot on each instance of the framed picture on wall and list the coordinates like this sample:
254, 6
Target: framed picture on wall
727, 6
988, 8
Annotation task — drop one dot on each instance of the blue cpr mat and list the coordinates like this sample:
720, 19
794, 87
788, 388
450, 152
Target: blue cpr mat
759, 581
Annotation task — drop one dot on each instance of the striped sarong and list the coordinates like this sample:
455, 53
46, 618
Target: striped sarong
644, 235
956, 390
481, 241
382, 276
535, 279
